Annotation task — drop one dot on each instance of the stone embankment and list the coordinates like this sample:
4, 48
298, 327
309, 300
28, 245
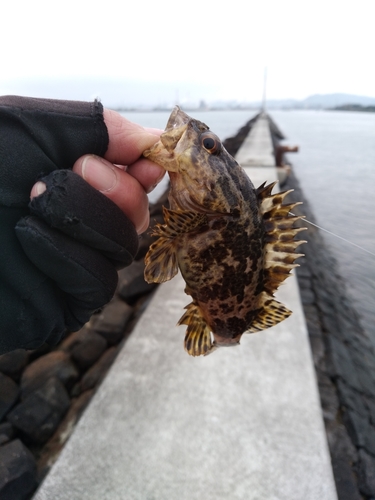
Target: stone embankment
44, 392
344, 360
344, 357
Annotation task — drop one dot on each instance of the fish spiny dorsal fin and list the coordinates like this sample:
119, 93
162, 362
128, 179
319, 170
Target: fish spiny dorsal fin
280, 245
198, 337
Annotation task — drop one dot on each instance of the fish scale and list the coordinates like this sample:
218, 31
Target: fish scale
233, 244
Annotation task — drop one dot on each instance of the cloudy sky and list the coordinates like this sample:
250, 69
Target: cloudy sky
159, 51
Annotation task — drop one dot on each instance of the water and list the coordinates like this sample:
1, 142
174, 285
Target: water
336, 169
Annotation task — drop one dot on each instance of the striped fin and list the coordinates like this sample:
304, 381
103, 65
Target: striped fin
198, 334
280, 244
270, 313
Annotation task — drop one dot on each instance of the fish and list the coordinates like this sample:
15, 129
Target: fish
233, 244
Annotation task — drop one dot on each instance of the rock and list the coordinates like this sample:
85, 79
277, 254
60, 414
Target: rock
360, 430
111, 323
54, 364
366, 473
351, 398
17, 472
86, 352
307, 296
6, 432
132, 283
95, 374
8, 394
12, 363
342, 362
54, 446
328, 397
41, 412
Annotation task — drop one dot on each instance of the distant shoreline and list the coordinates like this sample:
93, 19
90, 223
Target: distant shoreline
345, 107
354, 107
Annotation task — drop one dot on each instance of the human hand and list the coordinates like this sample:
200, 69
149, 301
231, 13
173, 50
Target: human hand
122, 175
60, 252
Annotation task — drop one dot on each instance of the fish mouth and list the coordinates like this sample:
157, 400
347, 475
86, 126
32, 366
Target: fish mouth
177, 119
223, 342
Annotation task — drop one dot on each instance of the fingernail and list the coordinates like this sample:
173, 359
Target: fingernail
38, 188
98, 173
158, 180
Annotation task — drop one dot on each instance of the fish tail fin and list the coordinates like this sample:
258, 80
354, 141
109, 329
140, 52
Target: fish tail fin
198, 334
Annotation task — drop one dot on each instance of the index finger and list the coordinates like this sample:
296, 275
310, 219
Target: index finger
127, 140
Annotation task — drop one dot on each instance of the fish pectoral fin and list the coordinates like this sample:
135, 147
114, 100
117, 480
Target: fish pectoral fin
179, 222
161, 261
270, 314
198, 334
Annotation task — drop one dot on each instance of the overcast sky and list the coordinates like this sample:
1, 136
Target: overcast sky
163, 50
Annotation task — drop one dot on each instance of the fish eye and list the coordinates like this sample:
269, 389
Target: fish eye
210, 142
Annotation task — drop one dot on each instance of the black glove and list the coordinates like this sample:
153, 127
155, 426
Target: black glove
59, 253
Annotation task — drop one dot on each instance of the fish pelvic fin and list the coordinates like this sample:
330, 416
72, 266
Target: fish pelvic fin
280, 232
269, 314
198, 334
161, 260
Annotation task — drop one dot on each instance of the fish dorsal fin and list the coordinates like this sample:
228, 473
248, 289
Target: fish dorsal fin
270, 314
280, 232
198, 334
161, 259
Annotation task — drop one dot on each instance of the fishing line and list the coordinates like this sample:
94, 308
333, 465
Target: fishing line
337, 236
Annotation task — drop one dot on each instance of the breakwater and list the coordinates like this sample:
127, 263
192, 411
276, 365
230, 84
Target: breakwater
344, 361
262, 408
343, 355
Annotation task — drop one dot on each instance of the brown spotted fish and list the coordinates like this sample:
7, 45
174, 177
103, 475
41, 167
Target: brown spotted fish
233, 244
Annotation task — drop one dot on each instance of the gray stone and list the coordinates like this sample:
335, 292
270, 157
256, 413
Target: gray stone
340, 444
365, 378
360, 430
12, 363
54, 364
41, 412
6, 432
346, 483
370, 403
53, 447
366, 473
132, 283
342, 363
112, 321
328, 397
307, 296
352, 399
8, 394
17, 472
96, 373
89, 350
318, 350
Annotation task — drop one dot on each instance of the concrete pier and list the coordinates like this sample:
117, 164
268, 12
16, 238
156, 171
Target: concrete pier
242, 423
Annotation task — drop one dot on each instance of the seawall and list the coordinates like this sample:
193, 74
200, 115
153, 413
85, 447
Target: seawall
242, 423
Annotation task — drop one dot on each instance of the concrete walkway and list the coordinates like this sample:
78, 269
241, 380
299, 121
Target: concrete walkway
242, 423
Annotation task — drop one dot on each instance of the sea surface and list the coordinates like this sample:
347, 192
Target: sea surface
336, 169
